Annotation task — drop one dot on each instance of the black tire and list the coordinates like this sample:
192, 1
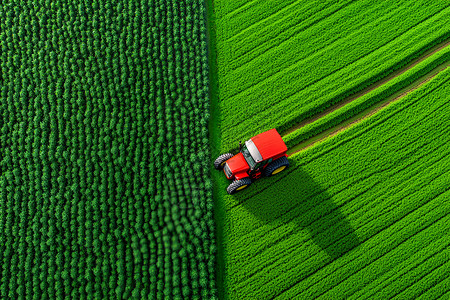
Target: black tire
220, 161
276, 166
238, 185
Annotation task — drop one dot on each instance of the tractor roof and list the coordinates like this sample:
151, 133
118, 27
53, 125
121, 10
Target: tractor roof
269, 144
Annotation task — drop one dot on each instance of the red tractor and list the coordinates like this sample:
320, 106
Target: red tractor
264, 154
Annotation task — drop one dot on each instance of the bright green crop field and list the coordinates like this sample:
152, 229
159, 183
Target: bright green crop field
279, 62
359, 90
354, 214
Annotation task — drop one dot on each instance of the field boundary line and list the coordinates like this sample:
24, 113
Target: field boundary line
215, 138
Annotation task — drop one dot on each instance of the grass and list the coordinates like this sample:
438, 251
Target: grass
336, 49
355, 207
351, 210
367, 103
214, 137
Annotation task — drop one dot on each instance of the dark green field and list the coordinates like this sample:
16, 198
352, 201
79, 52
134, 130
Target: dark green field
104, 186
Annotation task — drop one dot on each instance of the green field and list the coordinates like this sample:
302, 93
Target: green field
281, 62
362, 212
104, 186
354, 210
112, 113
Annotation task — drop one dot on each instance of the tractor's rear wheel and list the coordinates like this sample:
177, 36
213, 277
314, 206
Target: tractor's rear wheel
276, 166
220, 161
238, 185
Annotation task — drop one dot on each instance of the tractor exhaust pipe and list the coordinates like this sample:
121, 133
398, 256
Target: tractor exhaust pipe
240, 146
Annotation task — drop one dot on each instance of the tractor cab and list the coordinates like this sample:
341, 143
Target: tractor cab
264, 154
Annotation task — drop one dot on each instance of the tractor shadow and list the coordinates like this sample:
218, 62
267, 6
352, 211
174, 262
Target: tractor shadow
301, 200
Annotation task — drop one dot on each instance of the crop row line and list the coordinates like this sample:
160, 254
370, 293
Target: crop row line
294, 64
440, 290
371, 125
317, 126
425, 259
371, 87
238, 8
376, 233
419, 279
425, 254
403, 167
296, 31
291, 170
383, 255
376, 259
287, 8
286, 251
370, 220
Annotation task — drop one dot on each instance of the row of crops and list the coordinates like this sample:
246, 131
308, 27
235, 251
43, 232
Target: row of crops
362, 215
422, 71
280, 63
104, 186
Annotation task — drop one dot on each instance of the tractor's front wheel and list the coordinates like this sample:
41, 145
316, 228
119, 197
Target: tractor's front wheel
276, 166
238, 185
220, 161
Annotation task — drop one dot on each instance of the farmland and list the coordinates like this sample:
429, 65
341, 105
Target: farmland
363, 213
112, 113
302, 57
367, 101
104, 186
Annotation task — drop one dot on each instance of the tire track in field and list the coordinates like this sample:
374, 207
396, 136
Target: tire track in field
291, 170
344, 187
422, 82
376, 107
294, 64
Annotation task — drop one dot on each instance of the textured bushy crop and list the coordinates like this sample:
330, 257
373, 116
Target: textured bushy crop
362, 215
104, 188
280, 63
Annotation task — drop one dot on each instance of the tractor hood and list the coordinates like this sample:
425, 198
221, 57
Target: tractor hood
237, 164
